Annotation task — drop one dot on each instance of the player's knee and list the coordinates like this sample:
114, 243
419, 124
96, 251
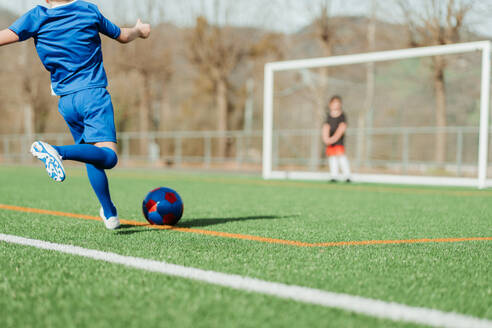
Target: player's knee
111, 159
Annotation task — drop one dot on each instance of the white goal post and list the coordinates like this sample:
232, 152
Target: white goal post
268, 111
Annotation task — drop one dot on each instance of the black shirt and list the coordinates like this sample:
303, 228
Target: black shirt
334, 123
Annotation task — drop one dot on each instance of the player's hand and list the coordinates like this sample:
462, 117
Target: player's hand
144, 29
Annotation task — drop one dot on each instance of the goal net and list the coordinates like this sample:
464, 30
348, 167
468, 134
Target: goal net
415, 116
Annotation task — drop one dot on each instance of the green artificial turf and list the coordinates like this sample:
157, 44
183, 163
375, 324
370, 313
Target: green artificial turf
81, 292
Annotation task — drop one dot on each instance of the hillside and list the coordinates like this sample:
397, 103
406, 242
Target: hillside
403, 95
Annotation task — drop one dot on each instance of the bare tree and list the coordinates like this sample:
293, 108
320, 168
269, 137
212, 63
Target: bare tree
152, 60
216, 49
215, 54
438, 22
325, 29
366, 114
325, 33
34, 83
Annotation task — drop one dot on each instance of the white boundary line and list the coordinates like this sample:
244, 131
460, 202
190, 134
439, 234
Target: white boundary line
361, 305
381, 178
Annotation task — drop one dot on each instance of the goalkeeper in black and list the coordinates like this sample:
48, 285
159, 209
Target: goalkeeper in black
334, 136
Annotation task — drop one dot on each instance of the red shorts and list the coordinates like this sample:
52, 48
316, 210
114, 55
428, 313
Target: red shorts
335, 150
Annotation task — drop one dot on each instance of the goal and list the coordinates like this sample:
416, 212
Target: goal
395, 134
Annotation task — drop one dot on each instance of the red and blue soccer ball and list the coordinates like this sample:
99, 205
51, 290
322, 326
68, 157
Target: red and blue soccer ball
162, 206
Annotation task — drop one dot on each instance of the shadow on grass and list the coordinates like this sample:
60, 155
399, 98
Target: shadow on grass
126, 229
194, 223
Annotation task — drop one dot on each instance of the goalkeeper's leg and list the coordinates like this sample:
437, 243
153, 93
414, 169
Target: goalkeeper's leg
344, 164
333, 160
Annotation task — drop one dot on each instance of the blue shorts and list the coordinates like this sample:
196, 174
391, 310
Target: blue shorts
90, 116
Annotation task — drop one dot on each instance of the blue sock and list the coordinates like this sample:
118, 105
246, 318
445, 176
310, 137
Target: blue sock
103, 158
97, 160
99, 182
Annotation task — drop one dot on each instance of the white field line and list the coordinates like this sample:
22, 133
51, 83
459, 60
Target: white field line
361, 305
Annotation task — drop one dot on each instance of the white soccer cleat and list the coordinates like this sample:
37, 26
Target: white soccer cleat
51, 159
112, 223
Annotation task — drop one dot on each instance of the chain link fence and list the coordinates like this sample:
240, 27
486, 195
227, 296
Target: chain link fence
384, 150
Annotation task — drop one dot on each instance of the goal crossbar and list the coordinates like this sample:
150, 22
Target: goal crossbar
483, 46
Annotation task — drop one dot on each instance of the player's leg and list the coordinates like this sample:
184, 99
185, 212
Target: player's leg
102, 157
100, 135
333, 161
99, 182
90, 117
345, 166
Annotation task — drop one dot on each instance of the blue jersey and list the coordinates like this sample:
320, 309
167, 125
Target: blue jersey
68, 43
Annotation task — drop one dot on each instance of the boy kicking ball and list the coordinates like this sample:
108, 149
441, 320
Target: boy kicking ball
67, 39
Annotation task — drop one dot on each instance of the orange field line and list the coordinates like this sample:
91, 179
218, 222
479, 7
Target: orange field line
402, 241
163, 227
247, 237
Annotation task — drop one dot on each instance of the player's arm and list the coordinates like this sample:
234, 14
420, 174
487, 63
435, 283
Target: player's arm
7, 37
338, 133
140, 30
325, 134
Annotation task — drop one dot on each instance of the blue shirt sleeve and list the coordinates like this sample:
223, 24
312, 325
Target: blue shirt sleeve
27, 26
107, 27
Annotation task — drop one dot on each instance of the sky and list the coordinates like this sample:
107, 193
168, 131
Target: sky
281, 15
294, 14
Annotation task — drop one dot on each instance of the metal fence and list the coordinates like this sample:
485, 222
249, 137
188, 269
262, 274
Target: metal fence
396, 149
